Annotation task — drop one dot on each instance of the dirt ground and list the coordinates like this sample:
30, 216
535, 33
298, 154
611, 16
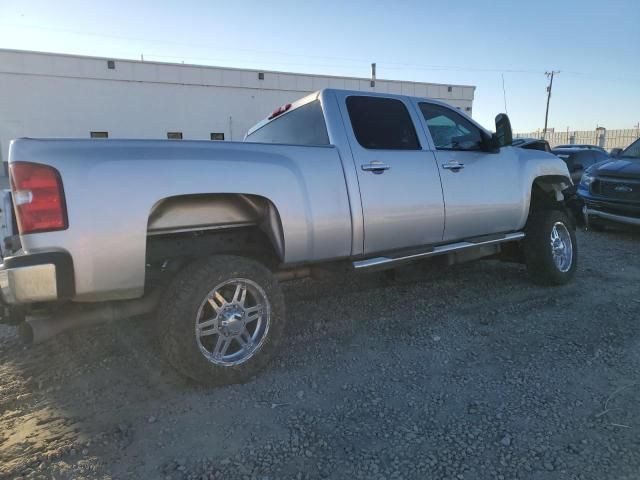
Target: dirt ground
466, 373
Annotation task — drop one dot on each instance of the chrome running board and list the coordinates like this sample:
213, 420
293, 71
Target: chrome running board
439, 250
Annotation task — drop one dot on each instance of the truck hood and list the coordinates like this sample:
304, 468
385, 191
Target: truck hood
619, 168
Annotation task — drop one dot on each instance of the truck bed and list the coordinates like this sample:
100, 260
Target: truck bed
113, 186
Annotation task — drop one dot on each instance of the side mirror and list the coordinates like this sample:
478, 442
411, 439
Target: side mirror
615, 152
503, 130
490, 143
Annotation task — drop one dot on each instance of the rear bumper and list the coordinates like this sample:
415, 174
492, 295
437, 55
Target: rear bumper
38, 277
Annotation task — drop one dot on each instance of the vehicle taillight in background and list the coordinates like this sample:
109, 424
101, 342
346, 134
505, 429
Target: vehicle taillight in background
38, 198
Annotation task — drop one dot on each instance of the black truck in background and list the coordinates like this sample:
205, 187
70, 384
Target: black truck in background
611, 189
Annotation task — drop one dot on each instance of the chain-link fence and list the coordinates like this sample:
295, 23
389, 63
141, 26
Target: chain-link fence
604, 138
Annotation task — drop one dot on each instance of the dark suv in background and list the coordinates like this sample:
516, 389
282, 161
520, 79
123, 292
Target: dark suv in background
582, 145
579, 158
611, 189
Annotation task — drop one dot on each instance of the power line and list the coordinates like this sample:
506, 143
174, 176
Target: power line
360, 63
166, 42
389, 65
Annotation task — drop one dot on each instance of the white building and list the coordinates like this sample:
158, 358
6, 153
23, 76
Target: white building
55, 95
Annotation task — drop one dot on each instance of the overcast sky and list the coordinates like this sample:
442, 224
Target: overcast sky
595, 45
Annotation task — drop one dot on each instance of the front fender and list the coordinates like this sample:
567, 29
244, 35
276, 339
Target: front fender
545, 171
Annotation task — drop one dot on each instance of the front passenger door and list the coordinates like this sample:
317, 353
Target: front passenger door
482, 191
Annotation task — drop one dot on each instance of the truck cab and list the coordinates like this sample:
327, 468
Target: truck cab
423, 169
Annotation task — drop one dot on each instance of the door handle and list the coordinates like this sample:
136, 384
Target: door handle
375, 167
453, 166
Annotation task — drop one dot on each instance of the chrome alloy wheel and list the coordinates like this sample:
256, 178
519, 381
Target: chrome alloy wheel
232, 322
561, 247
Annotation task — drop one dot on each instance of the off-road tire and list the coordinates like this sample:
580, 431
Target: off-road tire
538, 251
178, 311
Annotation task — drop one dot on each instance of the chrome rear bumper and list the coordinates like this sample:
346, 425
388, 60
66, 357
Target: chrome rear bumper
38, 277
35, 283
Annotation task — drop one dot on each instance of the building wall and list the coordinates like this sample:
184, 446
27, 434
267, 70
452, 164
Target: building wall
53, 95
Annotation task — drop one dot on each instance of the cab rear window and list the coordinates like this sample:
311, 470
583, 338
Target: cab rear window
303, 126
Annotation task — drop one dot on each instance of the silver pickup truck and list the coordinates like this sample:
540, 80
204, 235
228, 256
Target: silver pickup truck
203, 232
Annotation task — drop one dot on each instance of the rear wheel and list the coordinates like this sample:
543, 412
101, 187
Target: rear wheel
550, 248
222, 320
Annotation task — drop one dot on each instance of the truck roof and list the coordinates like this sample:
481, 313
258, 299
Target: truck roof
320, 93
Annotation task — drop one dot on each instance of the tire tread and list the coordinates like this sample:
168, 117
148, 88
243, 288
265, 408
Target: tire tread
538, 257
176, 316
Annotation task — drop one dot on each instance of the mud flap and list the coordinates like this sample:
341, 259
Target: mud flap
574, 205
12, 314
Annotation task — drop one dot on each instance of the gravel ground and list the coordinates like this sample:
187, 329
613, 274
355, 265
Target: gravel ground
466, 373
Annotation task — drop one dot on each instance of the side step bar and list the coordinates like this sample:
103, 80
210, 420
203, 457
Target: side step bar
439, 250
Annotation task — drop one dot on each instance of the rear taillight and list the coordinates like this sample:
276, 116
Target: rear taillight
38, 198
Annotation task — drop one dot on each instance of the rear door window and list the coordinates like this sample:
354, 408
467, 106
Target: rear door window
382, 123
303, 126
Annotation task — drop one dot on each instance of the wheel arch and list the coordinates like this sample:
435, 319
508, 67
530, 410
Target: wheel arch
550, 192
217, 213
547, 191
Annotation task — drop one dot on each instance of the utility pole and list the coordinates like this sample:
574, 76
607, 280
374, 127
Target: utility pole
546, 115
373, 75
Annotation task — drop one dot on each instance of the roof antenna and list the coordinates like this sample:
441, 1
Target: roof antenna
373, 75
504, 95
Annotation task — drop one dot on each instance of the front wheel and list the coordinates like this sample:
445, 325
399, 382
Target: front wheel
222, 320
550, 248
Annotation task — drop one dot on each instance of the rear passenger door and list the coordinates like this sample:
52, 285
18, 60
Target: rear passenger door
400, 189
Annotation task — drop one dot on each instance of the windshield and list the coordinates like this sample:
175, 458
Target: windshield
632, 151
